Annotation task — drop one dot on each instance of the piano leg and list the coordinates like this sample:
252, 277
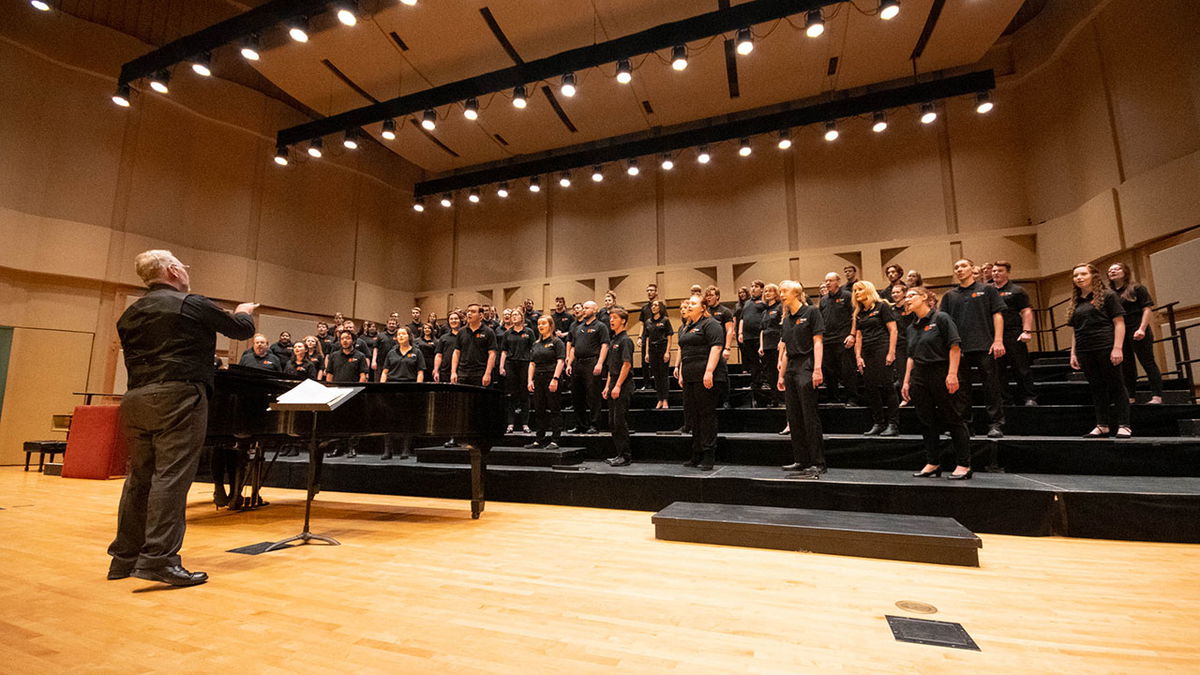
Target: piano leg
478, 469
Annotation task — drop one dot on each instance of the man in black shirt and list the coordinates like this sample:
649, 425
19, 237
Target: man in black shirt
531, 315
327, 340
283, 348
562, 318
644, 317
977, 311
347, 364
1018, 331
851, 273
261, 357
586, 355
414, 326
895, 275
475, 354
617, 388
837, 310
368, 343
724, 317
168, 338
749, 331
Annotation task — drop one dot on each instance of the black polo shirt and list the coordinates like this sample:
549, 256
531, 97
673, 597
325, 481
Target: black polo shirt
445, 346
837, 310
772, 318
347, 367
267, 361
972, 308
1133, 308
645, 313
656, 332
563, 321
695, 341
722, 315
281, 350
903, 321
531, 319
427, 349
301, 371
414, 330
404, 367
473, 347
367, 344
752, 319
545, 354
1015, 299
588, 338
1094, 327
517, 344
602, 317
873, 324
930, 339
329, 344
798, 330
387, 341
620, 351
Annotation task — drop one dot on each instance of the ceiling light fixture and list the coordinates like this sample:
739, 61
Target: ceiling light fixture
814, 24
202, 65
502, 191
429, 120
419, 205
888, 9
744, 41
785, 139
705, 156
597, 174
667, 163
983, 102
624, 71
473, 195
158, 81
447, 201
314, 148
519, 98
298, 29
568, 85
564, 179
250, 47
879, 122
744, 147
831, 131
928, 113
679, 57
389, 129
350, 141
122, 97
40, 5
345, 14
535, 184
281, 156
410, 3
632, 168
471, 109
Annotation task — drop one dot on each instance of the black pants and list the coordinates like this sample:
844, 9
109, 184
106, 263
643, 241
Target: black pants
618, 410
938, 409
470, 378
1016, 359
754, 364
770, 368
516, 388
840, 368
656, 365
879, 385
585, 393
164, 426
1144, 351
700, 415
980, 367
808, 443
547, 407
1108, 388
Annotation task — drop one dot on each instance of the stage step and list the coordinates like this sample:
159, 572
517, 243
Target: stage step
889, 536
1190, 428
503, 456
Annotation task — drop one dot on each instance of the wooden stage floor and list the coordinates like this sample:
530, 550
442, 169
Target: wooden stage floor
417, 586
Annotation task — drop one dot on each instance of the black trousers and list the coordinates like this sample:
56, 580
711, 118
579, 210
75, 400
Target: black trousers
516, 389
770, 369
938, 409
879, 385
547, 407
840, 368
754, 363
700, 415
1144, 351
808, 443
980, 367
1107, 386
585, 393
1016, 359
618, 410
656, 365
164, 426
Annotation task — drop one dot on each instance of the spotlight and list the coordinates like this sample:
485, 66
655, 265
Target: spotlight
888, 9
250, 48
471, 109
744, 148
502, 191
419, 204
744, 41
473, 195
928, 114
389, 130
983, 103
564, 179
667, 163
158, 81
314, 148
814, 25
597, 174
519, 100
568, 85
410, 3
535, 184
704, 157
679, 57
345, 14
632, 169
785, 139
447, 201
121, 98
831, 131
281, 156
624, 71
429, 120
202, 65
40, 5
298, 29
351, 140
879, 122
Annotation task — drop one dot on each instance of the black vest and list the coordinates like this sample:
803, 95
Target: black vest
161, 344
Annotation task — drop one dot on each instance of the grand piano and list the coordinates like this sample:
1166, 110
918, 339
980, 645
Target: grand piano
473, 416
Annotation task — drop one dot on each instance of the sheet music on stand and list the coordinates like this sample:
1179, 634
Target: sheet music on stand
312, 396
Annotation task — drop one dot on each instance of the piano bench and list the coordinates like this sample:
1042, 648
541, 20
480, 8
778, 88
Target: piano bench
44, 448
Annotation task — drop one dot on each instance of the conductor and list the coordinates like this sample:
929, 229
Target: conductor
168, 337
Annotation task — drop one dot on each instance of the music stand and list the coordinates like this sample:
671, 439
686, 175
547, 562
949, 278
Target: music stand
313, 397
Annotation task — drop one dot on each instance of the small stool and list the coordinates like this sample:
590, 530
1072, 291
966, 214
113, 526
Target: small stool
44, 448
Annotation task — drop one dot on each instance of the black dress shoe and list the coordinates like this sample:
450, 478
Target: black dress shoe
803, 475
995, 432
620, 461
550, 446
795, 466
936, 473
351, 454
874, 430
816, 469
591, 431
386, 456
174, 575
891, 431
533, 446
961, 476
116, 572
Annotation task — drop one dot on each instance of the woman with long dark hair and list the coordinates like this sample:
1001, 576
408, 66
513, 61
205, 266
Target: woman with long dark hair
875, 336
656, 332
904, 319
1097, 348
427, 343
1139, 338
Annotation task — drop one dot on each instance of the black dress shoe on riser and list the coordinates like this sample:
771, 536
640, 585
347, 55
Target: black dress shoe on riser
936, 473
961, 476
795, 466
174, 575
890, 432
114, 575
874, 430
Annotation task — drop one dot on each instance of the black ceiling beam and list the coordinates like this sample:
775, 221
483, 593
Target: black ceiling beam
663, 36
863, 104
261, 18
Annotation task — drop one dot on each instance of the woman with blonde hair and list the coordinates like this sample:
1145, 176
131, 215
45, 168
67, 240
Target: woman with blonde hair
1097, 348
768, 341
875, 336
